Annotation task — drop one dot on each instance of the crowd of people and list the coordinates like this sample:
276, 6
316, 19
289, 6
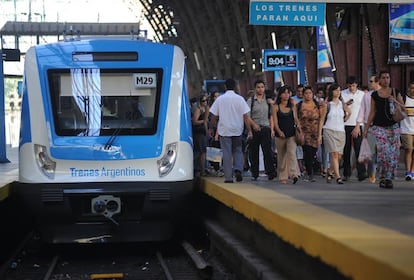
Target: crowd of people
334, 123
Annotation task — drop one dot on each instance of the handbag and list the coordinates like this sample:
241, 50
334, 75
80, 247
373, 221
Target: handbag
399, 113
299, 137
365, 153
214, 154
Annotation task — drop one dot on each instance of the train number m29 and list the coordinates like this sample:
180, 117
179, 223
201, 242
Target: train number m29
145, 80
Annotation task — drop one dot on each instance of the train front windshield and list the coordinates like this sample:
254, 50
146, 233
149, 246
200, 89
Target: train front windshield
94, 102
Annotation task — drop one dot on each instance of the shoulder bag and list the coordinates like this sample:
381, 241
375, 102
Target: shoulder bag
399, 113
299, 137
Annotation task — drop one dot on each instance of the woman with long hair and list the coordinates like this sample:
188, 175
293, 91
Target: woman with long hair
332, 124
285, 120
385, 130
309, 115
199, 124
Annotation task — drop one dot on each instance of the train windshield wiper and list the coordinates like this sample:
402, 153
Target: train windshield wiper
112, 139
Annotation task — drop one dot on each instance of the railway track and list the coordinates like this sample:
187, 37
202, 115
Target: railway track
168, 260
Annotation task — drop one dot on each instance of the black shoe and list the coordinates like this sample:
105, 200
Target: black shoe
389, 184
362, 178
271, 176
346, 178
239, 176
295, 179
339, 181
228, 181
386, 184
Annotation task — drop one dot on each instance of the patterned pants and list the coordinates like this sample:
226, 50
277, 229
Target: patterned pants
387, 140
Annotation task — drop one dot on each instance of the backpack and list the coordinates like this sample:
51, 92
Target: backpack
328, 106
269, 113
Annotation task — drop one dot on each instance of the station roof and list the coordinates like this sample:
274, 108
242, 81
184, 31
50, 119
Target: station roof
215, 35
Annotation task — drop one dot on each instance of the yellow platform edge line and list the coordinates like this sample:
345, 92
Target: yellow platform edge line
4, 192
106, 276
356, 248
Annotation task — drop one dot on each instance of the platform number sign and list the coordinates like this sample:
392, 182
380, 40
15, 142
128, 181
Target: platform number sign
280, 60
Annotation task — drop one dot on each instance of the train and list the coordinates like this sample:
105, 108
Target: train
106, 149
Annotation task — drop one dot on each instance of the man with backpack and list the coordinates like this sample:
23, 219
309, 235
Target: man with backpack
260, 132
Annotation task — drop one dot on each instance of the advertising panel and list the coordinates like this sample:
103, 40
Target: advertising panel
324, 58
401, 34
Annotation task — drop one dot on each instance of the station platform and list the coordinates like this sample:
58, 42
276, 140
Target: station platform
9, 171
357, 228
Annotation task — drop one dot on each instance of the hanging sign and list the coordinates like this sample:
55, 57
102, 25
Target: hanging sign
286, 13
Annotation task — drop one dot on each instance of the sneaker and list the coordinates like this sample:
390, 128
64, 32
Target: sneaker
219, 173
239, 176
409, 175
309, 179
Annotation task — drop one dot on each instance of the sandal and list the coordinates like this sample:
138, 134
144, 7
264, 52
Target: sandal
329, 178
382, 183
339, 181
388, 184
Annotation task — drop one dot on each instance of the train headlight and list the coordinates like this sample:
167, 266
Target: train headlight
166, 163
45, 163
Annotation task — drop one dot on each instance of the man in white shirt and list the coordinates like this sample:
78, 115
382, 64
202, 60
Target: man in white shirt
352, 96
232, 113
407, 133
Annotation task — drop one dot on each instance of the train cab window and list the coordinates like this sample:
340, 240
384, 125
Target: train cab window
94, 102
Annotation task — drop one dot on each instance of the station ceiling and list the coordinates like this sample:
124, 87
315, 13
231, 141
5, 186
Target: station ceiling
215, 35
219, 41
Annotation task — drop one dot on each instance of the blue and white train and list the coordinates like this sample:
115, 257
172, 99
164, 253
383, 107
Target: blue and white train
105, 147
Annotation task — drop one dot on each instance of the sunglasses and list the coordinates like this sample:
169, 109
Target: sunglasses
204, 100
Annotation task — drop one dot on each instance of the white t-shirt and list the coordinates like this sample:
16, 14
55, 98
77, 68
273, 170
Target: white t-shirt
335, 117
230, 108
407, 124
355, 106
